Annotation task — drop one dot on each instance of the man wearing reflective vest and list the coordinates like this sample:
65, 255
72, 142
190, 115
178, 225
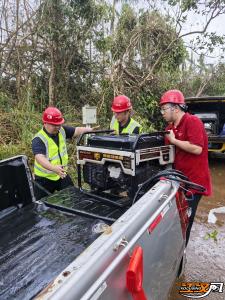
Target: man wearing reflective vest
122, 121
50, 152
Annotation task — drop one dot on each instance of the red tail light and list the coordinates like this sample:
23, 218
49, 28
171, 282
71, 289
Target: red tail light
134, 276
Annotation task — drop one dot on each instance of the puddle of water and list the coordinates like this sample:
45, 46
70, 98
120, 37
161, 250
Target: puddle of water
206, 257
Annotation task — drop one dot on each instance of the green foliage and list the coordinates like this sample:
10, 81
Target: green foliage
148, 55
18, 128
72, 47
208, 41
216, 85
149, 110
202, 79
5, 102
126, 24
189, 4
212, 235
11, 150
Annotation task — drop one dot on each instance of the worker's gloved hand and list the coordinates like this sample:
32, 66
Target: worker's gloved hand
60, 170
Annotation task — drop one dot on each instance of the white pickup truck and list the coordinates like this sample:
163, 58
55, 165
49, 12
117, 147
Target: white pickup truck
122, 239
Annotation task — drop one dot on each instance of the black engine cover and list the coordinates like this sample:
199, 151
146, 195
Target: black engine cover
126, 142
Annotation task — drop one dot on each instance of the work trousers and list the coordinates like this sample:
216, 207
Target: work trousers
193, 205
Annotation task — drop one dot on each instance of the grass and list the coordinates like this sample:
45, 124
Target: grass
17, 130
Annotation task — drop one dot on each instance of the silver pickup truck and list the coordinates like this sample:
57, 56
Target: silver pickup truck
123, 238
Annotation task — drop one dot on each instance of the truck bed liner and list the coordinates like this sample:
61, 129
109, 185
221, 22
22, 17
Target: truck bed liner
84, 203
36, 244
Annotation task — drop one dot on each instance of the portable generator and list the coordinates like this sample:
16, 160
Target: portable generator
120, 163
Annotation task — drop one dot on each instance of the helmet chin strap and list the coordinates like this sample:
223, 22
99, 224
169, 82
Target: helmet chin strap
183, 107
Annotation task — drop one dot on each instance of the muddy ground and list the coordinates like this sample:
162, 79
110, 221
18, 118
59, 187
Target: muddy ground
206, 255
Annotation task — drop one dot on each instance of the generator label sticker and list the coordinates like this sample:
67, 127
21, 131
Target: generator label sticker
112, 156
83, 154
196, 290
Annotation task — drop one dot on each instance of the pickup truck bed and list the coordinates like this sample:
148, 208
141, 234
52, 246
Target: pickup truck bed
37, 241
36, 244
51, 250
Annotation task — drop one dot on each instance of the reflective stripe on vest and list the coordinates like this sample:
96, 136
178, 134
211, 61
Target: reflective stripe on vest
114, 125
53, 154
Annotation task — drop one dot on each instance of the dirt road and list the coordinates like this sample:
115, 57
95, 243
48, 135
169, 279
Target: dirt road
206, 248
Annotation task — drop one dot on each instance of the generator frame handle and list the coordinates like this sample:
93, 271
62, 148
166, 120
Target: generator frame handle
91, 132
148, 134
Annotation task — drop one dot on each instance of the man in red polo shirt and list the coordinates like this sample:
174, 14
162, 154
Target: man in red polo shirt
188, 135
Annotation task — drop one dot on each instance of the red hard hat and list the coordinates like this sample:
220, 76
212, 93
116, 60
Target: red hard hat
121, 103
52, 115
172, 96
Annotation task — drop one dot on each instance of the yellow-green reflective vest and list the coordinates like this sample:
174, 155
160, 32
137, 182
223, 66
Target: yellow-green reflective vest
53, 154
114, 125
